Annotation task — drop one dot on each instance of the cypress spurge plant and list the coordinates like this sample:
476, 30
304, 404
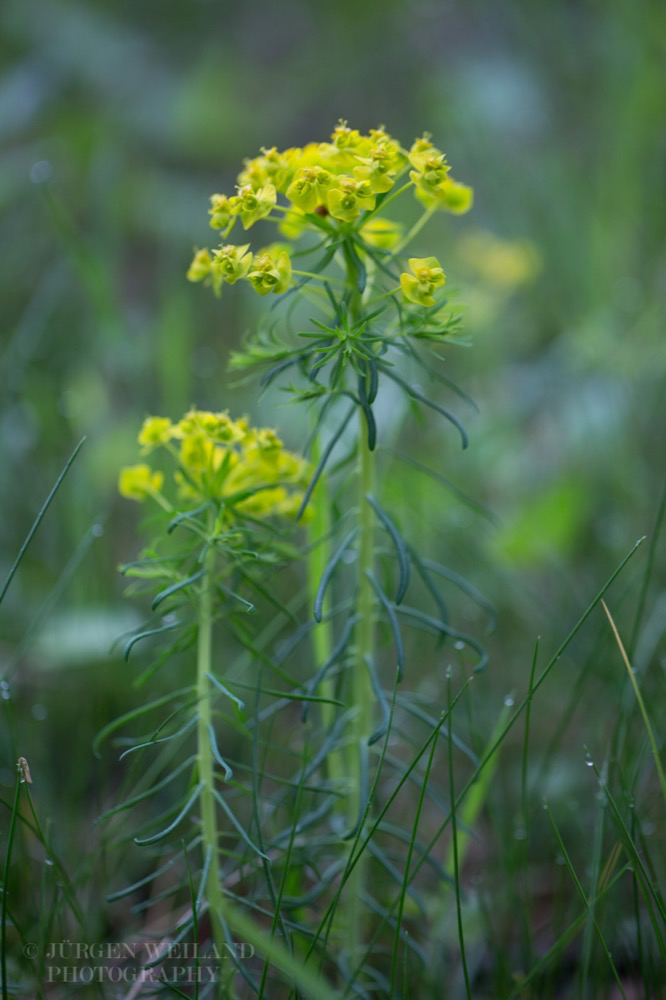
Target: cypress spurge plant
349, 322
231, 484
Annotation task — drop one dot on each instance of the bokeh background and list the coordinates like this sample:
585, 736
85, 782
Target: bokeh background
119, 119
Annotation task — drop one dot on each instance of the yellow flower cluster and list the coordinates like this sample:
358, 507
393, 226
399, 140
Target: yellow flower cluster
245, 469
336, 181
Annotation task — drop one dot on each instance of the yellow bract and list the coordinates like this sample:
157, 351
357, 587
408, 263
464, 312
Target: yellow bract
271, 271
137, 482
221, 211
200, 266
231, 263
246, 470
309, 188
426, 276
155, 431
253, 205
348, 197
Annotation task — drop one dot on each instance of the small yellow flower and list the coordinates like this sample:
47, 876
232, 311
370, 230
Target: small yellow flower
271, 271
422, 149
430, 179
426, 276
221, 211
254, 205
381, 163
136, 482
200, 266
271, 167
217, 426
309, 188
344, 137
231, 263
349, 197
155, 432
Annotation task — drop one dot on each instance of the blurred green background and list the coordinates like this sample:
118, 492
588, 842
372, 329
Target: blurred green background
119, 119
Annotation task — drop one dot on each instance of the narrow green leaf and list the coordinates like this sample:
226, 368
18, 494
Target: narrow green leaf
128, 890
136, 713
175, 588
370, 421
415, 394
129, 803
225, 691
239, 827
442, 627
184, 516
328, 573
381, 701
162, 739
172, 826
169, 627
400, 546
393, 621
326, 454
228, 773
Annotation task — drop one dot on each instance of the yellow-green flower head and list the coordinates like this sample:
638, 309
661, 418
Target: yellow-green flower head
422, 148
381, 233
219, 427
455, 197
349, 197
309, 188
271, 167
231, 263
342, 152
271, 271
200, 266
431, 177
246, 470
221, 211
427, 275
254, 205
303, 156
344, 137
136, 482
156, 431
381, 163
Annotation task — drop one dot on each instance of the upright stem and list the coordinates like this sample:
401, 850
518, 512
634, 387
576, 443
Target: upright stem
319, 535
214, 894
361, 688
366, 602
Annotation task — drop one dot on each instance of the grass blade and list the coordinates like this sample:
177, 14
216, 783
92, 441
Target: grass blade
38, 520
639, 699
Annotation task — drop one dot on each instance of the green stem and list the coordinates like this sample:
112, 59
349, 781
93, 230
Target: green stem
319, 537
319, 277
361, 688
219, 909
414, 231
216, 904
5, 891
